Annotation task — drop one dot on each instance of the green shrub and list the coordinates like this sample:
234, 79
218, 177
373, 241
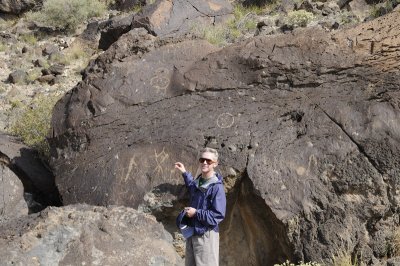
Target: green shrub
243, 21
33, 74
76, 51
33, 123
299, 18
287, 263
137, 8
68, 14
7, 23
28, 38
216, 35
108, 3
59, 58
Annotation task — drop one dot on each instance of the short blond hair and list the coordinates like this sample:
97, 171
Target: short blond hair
210, 150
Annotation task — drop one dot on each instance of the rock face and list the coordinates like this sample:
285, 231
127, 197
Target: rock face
167, 18
84, 235
17, 7
307, 125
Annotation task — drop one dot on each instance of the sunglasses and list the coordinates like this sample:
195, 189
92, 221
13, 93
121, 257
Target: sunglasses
208, 161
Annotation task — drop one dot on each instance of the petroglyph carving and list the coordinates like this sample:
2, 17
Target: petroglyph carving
160, 80
160, 159
132, 164
225, 120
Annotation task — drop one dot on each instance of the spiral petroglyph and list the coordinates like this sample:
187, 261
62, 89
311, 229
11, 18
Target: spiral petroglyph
160, 80
225, 120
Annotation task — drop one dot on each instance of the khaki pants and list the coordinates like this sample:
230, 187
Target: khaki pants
203, 250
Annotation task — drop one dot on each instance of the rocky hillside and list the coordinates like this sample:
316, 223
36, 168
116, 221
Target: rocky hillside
301, 99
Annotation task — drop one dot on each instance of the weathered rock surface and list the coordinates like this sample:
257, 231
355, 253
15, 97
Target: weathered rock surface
176, 17
17, 6
12, 202
86, 235
307, 125
39, 188
172, 18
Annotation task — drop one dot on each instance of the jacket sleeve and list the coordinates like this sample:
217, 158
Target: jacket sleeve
189, 181
216, 213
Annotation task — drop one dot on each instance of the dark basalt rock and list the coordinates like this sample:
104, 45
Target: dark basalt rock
18, 77
57, 69
306, 124
17, 7
39, 189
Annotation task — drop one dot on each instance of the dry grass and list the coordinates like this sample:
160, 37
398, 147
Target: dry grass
78, 54
33, 122
243, 21
28, 39
344, 258
395, 243
8, 23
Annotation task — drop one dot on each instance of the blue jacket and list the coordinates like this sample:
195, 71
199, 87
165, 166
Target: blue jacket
209, 200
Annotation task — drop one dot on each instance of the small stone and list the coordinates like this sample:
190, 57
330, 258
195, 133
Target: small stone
24, 49
18, 76
45, 72
50, 49
50, 79
57, 69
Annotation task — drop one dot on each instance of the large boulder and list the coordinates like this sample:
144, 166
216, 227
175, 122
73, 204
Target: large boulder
86, 235
306, 124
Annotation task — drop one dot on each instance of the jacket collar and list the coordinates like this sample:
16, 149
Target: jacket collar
216, 179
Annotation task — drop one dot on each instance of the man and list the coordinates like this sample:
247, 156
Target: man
206, 210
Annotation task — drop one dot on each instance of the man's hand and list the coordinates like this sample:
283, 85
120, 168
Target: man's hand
180, 167
190, 212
